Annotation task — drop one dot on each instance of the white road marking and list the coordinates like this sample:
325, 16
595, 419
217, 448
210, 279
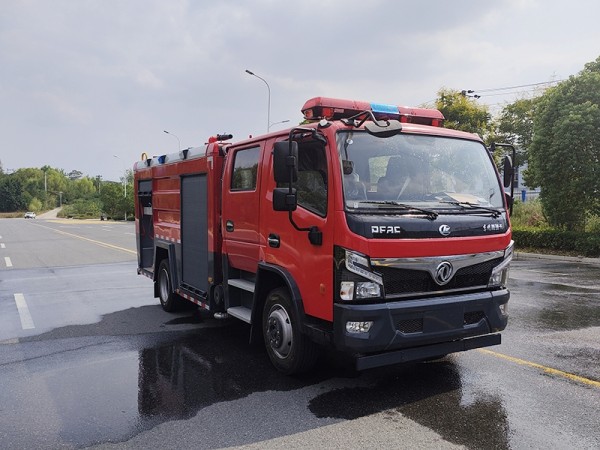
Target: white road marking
26, 320
2, 246
7, 261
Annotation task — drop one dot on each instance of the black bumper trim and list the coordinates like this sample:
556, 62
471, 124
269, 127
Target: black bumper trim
425, 352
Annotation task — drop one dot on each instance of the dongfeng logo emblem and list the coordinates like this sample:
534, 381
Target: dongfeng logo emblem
443, 273
444, 230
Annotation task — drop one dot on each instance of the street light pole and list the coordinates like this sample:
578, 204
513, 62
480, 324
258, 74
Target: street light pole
124, 187
178, 141
269, 98
124, 180
280, 122
45, 180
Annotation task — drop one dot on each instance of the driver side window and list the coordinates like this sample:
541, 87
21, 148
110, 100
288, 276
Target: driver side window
312, 184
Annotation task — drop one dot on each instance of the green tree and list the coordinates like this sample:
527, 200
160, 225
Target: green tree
80, 188
57, 182
515, 126
11, 194
463, 113
111, 196
564, 157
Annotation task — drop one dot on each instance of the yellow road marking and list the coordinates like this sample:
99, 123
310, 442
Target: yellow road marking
546, 369
100, 243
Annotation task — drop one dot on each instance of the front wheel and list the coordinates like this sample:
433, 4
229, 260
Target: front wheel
168, 298
289, 349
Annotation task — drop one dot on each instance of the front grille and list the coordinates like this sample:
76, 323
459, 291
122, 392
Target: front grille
410, 326
408, 281
473, 317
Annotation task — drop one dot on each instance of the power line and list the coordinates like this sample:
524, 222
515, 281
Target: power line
508, 93
517, 87
475, 93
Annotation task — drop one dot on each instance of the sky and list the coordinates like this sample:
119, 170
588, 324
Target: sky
90, 85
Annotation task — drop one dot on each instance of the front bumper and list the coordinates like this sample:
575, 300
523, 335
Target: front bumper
416, 329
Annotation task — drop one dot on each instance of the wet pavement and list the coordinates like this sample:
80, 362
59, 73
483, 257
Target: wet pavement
132, 376
83, 385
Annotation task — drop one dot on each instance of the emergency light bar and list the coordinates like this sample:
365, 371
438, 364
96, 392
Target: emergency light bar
332, 108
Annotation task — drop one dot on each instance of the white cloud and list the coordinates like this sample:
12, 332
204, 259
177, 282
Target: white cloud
147, 79
82, 81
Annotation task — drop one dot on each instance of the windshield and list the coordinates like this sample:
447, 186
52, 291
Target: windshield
418, 171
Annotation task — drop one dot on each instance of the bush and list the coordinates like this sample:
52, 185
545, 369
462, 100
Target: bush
592, 225
82, 209
528, 214
35, 205
568, 242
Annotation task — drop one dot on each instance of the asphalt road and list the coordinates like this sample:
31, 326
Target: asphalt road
88, 358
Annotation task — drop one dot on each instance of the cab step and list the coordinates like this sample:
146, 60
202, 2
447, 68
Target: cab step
240, 312
241, 284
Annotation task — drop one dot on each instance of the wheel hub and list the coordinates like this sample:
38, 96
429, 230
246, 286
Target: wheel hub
279, 332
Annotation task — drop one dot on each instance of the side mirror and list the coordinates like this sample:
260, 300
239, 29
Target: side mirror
508, 171
510, 202
284, 199
285, 165
383, 128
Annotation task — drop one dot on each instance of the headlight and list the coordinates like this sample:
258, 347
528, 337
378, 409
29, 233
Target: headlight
370, 287
499, 275
350, 290
367, 289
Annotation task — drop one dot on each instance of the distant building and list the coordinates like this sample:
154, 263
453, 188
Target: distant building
522, 191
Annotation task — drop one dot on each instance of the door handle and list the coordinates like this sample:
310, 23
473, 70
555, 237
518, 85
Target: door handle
229, 225
273, 240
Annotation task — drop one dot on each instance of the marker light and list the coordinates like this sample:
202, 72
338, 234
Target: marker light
504, 309
347, 290
386, 110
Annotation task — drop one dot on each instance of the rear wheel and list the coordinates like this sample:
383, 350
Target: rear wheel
289, 349
168, 298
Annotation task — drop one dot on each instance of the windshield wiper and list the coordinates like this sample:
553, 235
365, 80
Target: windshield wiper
431, 215
495, 212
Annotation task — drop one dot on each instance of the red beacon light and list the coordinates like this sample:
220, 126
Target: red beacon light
334, 109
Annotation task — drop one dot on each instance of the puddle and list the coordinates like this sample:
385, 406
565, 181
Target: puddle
430, 394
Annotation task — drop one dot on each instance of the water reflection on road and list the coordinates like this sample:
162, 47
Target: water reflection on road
178, 379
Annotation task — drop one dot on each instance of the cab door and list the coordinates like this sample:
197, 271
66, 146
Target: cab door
310, 265
241, 206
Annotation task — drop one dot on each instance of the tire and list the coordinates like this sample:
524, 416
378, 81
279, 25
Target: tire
288, 348
168, 298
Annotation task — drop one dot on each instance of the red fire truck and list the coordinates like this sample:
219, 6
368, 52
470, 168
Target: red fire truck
370, 229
